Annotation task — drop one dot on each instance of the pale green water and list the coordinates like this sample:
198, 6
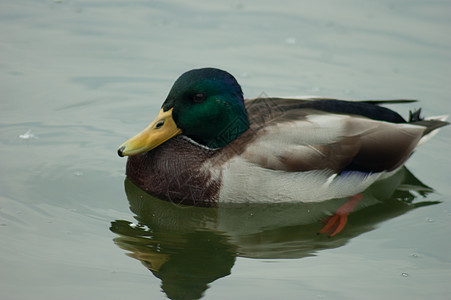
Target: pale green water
84, 76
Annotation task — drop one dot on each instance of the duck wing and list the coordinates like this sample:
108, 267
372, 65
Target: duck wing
328, 134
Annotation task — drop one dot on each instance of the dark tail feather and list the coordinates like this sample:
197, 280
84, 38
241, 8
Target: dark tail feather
430, 125
415, 116
393, 101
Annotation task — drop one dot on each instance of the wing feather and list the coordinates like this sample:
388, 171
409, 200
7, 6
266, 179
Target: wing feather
334, 142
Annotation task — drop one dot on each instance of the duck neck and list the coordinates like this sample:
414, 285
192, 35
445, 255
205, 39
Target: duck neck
226, 132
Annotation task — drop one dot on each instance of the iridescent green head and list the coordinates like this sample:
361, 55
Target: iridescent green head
208, 106
204, 104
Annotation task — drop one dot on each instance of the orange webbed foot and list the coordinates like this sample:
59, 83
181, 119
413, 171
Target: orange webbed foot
335, 223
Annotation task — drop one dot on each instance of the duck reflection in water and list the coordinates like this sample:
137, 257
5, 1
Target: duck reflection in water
188, 247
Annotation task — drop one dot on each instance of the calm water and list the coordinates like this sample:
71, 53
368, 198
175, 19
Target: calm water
80, 77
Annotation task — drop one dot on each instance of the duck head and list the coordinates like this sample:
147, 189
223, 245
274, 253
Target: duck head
204, 104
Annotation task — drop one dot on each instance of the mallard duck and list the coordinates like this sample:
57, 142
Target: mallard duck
209, 146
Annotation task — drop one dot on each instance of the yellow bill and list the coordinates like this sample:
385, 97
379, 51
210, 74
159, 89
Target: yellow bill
159, 131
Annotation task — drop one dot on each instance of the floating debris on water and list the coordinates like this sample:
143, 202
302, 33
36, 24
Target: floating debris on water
28, 135
291, 41
238, 5
315, 89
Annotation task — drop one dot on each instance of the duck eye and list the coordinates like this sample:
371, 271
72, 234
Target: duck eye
159, 124
199, 97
